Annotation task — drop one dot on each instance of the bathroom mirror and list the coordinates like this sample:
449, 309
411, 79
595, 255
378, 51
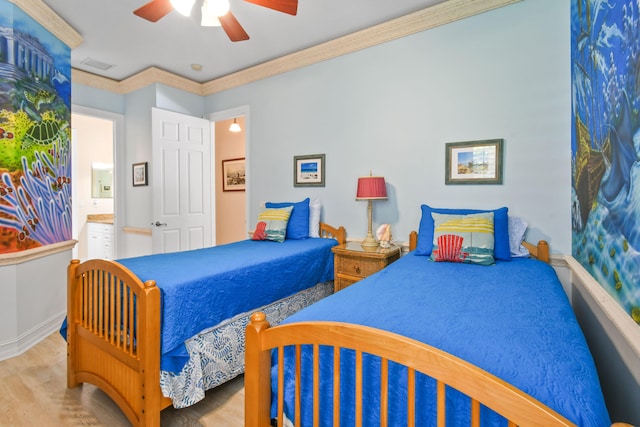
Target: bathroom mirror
101, 180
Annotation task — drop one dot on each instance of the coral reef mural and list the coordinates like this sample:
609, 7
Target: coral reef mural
605, 48
35, 155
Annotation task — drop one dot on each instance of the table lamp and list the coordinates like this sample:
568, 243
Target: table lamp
371, 188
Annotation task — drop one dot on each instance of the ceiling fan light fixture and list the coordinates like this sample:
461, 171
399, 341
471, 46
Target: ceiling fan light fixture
215, 7
208, 18
183, 6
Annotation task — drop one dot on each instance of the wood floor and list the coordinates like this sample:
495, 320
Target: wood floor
33, 392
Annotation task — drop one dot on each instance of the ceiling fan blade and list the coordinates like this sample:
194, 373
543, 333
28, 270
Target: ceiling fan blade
233, 28
154, 10
285, 6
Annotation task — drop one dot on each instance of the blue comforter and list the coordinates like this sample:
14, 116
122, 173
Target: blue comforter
512, 319
203, 287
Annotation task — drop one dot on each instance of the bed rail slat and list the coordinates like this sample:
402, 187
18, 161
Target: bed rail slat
336, 386
358, 383
112, 310
411, 397
298, 384
280, 386
384, 392
316, 385
475, 413
441, 403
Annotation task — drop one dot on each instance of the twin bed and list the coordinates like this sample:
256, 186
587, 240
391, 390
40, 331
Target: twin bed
429, 343
162, 329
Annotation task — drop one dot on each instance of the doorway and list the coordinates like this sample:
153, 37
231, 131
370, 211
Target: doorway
230, 202
95, 179
231, 206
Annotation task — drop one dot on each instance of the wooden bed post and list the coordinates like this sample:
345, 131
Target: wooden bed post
257, 379
150, 350
72, 289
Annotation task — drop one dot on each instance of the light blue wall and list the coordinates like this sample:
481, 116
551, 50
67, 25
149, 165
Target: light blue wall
178, 101
390, 109
97, 98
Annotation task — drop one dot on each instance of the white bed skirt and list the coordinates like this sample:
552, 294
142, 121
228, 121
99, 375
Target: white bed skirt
216, 355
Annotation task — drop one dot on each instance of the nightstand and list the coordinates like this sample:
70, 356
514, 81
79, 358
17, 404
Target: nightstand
352, 263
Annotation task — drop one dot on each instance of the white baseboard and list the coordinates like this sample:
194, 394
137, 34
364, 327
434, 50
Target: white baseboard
24, 342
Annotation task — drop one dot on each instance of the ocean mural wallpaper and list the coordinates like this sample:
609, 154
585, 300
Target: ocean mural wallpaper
35, 111
605, 49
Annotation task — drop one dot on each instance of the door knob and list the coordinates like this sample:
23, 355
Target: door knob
159, 224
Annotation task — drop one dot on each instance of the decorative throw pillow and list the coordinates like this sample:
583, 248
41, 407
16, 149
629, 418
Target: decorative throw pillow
517, 229
272, 224
298, 225
463, 238
315, 206
502, 249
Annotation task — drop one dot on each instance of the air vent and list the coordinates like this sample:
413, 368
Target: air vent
97, 64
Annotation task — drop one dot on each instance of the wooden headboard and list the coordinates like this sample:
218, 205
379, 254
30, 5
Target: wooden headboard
539, 251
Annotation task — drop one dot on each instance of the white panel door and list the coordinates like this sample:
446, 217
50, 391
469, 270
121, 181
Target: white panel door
182, 182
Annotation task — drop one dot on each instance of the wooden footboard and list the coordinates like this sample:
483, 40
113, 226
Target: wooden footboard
482, 387
113, 337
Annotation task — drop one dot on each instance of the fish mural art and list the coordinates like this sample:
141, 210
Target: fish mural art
35, 152
605, 205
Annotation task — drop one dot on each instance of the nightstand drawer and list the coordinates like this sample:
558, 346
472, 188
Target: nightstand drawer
359, 267
340, 283
352, 263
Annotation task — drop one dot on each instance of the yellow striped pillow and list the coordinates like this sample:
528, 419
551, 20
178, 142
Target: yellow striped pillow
463, 238
272, 224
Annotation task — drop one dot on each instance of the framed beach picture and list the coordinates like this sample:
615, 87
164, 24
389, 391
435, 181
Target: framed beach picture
140, 174
233, 175
308, 171
474, 162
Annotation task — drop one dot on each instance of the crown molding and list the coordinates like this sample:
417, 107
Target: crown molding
50, 20
431, 17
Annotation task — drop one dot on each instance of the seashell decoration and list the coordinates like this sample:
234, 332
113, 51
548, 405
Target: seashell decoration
384, 235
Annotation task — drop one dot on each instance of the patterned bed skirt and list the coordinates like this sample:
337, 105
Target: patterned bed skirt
216, 355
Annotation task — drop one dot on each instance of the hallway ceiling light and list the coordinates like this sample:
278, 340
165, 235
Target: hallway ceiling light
235, 127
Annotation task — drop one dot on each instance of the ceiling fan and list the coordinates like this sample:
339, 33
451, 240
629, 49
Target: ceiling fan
214, 13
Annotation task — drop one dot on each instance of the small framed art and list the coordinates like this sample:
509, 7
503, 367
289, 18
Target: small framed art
308, 171
233, 175
140, 174
474, 162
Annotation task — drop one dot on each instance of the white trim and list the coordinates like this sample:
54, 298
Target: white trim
15, 258
24, 342
615, 321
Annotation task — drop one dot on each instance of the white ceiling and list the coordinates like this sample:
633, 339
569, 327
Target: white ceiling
114, 35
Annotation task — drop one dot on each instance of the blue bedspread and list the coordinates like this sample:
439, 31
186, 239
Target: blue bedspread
512, 319
203, 287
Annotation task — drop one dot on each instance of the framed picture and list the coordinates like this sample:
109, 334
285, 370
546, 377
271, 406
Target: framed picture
474, 162
140, 174
233, 175
308, 171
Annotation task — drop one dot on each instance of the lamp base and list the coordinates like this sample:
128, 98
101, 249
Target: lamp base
369, 243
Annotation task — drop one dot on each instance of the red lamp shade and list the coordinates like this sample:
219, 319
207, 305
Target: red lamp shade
371, 188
